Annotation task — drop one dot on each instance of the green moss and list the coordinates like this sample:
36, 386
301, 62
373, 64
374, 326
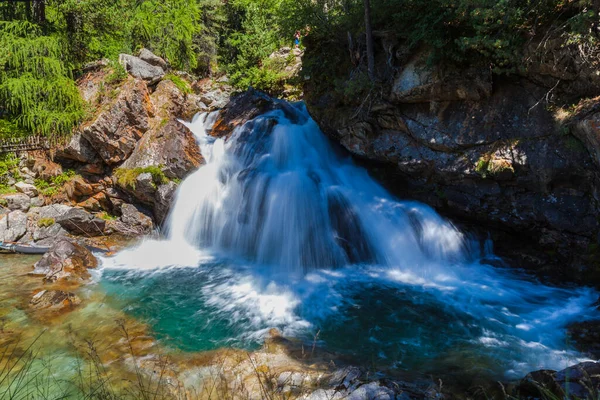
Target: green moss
3, 202
106, 216
482, 165
179, 82
45, 222
126, 177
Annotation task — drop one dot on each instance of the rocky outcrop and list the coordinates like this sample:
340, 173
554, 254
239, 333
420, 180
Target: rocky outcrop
482, 149
66, 260
115, 132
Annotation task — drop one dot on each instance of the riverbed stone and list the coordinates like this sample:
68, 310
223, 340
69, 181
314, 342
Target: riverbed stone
66, 260
54, 300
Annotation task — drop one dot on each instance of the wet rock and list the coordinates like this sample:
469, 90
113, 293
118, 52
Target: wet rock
581, 381
115, 132
141, 69
13, 226
66, 260
165, 194
135, 219
26, 188
80, 222
17, 201
586, 337
54, 300
152, 58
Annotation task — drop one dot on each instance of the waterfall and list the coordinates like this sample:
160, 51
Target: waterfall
281, 229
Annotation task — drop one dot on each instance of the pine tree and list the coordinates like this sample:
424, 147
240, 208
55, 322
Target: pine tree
36, 89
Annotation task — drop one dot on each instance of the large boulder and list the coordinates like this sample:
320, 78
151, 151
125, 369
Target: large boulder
66, 260
152, 59
135, 219
141, 69
13, 226
114, 133
171, 146
80, 222
78, 149
581, 381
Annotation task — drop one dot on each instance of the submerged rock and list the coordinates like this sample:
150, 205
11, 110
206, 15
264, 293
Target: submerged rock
66, 260
54, 300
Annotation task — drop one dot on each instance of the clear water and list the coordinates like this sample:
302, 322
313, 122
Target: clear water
280, 230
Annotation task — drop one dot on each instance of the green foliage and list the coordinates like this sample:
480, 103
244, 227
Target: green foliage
117, 75
126, 177
45, 222
35, 85
106, 216
9, 165
167, 27
52, 186
179, 82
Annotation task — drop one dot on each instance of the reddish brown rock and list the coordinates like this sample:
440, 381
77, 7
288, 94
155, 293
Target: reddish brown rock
66, 260
114, 133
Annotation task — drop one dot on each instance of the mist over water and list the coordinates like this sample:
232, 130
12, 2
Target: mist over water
279, 229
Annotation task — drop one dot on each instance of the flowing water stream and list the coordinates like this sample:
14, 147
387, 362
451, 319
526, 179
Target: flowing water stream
281, 230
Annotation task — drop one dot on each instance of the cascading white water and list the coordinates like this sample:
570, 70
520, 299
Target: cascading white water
278, 193
322, 237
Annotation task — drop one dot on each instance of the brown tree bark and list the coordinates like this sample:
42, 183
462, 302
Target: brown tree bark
369, 35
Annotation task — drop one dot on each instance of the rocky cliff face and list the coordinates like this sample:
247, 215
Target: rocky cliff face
483, 149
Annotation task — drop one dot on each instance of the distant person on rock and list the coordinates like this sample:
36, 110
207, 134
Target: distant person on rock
297, 39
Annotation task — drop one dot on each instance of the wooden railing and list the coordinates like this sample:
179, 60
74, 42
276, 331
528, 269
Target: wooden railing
29, 143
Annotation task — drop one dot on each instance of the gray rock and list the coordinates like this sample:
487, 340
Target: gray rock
78, 149
37, 202
26, 188
53, 211
141, 69
80, 222
163, 200
42, 233
17, 201
152, 59
135, 219
13, 226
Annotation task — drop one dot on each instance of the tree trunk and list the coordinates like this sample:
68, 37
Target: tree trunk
39, 11
369, 34
596, 9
